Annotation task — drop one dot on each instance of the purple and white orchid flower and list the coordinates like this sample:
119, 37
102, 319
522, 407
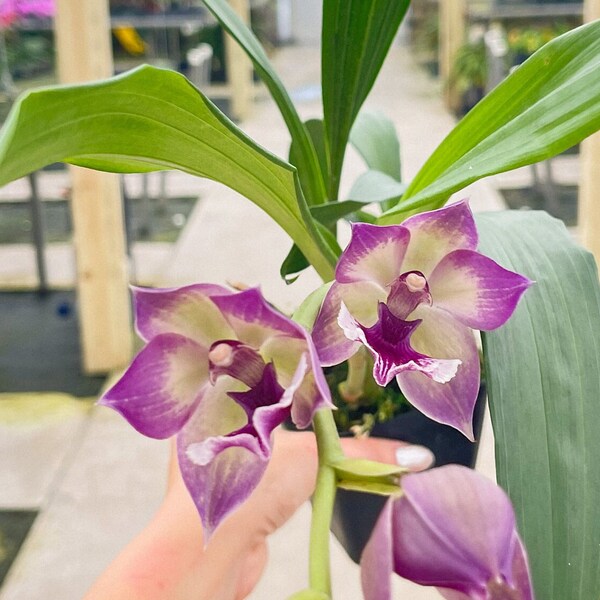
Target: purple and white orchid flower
453, 529
221, 370
412, 294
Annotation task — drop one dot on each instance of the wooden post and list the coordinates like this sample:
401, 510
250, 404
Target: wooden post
84, 53
589, 186
239, 67
452, 15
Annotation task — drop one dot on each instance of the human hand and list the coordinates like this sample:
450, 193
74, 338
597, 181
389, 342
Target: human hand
168, 560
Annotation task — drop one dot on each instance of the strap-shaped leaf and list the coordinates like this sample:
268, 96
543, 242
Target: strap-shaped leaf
316, 132
356, 37
306, 156
295, 262
328, 215
549, 103
543, 380
375, 186
332, 212
147, 120
375, 138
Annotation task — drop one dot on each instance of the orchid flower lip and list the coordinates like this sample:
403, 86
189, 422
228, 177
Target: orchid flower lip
388, 340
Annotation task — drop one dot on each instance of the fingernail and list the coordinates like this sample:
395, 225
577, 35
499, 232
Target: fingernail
414, 458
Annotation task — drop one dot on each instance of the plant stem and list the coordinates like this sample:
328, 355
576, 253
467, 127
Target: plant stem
353, 388
330, 451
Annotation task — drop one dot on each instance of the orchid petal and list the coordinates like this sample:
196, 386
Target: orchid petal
225, 471
452, 528
463, 539
313, 392
160, 389
376, 562
389, 343
284, 353
220, 486
452, 403
436, 233
310, 396
476, 290
452, 594
521, 576
361, 299
374, 253
186, 310
252, 319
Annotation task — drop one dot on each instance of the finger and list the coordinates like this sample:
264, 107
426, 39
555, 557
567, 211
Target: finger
287, 483
410, 456
252, 570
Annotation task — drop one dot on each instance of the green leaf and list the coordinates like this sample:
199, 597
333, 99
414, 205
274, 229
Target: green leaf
317, 136
147, 120
332, 212
295, 262
307, 312
548, 104
306, 156
369, 487
356, 37
543, 381
375, 139
361, 469
374, 186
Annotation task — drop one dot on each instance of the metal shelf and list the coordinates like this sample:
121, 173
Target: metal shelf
527, 11
155, 21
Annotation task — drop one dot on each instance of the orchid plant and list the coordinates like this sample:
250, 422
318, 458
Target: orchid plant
221, 369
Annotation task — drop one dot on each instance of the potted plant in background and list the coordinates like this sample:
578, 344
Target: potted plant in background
540, 368
524, 41
470, 73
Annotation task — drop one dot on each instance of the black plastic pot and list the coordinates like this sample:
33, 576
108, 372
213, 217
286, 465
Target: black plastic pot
355, 513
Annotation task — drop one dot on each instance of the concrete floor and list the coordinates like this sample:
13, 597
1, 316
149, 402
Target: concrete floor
66, 457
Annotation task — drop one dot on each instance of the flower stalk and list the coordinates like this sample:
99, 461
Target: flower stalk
329, 451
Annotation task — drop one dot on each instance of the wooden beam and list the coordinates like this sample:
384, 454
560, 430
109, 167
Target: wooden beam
589, 186
84, 53
239, 67
452, 32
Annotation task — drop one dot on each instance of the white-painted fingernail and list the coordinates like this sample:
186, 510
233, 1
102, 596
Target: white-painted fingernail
414, 457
